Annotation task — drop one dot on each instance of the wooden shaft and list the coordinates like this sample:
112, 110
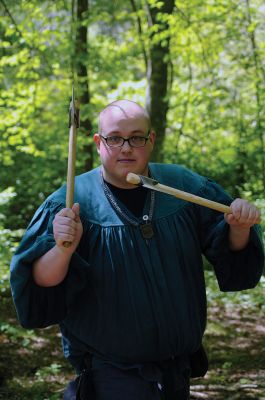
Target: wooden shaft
193, 198
71, 167
153, 185
71, 171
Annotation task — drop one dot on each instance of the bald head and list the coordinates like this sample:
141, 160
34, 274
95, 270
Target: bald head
123, 109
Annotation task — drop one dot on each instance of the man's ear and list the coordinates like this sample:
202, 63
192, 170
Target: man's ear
152, 137
96, 139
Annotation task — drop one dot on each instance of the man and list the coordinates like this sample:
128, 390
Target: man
129, 292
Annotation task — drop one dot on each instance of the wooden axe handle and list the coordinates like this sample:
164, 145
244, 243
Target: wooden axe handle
71, 172
73, 125
71, 168
140, 180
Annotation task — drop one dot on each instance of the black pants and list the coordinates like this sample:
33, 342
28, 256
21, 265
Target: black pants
112, 383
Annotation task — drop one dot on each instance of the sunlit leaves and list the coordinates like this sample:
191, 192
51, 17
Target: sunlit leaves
216, 93
214, 99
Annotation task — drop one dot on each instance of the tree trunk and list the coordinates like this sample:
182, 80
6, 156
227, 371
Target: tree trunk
259, 79
157, 98
81, 55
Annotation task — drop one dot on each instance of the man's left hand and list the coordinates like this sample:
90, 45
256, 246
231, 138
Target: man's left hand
244, 215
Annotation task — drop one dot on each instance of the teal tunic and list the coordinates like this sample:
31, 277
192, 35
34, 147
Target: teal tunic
125, 298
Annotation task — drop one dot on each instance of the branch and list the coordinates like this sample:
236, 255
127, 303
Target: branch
11, 17
255, 50
140, 32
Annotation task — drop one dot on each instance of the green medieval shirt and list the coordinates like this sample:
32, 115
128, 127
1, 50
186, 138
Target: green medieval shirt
125, 298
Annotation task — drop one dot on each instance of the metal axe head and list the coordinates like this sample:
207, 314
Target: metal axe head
74, 118
141, 180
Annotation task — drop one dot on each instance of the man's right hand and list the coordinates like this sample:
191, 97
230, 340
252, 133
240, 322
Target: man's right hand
67, 227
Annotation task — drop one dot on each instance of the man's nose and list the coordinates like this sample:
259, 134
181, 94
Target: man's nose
126, 146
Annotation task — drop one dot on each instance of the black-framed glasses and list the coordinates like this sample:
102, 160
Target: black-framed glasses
118, 141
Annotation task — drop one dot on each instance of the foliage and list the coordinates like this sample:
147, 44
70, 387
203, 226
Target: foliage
251, 300
216, 89
218, 92
8, 241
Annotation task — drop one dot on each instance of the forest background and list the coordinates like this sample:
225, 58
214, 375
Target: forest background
198, 66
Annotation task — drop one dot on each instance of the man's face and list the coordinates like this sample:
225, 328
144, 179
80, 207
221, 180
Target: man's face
118, 161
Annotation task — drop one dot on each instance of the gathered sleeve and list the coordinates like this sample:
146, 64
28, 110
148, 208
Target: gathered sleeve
38, 306
235, 270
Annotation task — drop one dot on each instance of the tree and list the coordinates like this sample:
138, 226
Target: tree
158, 70
156, 54
80, 67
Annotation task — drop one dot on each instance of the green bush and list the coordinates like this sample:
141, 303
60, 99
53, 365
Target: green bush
9, 240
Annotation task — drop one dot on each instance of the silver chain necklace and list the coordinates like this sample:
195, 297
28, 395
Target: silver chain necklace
145, 227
